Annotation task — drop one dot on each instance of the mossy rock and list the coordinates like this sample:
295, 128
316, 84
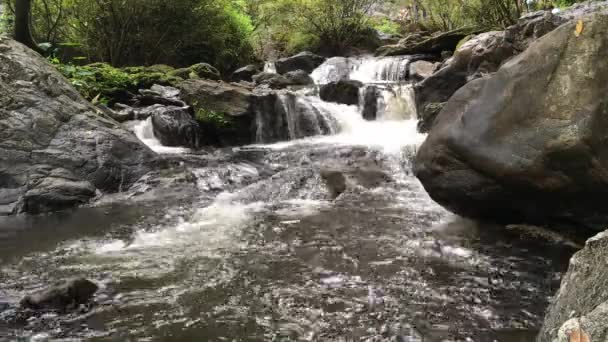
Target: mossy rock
463, 41
162, 68
204, 71
183, 73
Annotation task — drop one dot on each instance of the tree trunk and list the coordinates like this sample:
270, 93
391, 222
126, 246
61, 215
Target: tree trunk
23, 32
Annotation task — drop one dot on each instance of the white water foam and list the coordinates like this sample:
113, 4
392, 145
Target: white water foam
144, 132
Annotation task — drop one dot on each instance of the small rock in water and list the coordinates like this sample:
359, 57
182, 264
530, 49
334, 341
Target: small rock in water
42, 337
61, 297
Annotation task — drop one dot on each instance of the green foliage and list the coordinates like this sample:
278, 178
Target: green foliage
102, 81
386, 25
213, 118
147, 32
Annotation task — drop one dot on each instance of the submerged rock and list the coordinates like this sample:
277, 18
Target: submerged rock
528, 143
56, 148
339, 178
61, 297
581, 304
306, 61
174, 126
343, 91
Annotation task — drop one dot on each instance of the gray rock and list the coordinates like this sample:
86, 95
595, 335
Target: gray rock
421, 70
174, 126
306, 61
481, 54
47, 130
61, 297
344, 91
527, 144
411, 45
229, 98
339, 178
582, 300
299, 77
245, 73
273, 81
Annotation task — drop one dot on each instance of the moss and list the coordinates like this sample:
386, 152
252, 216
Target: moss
205, 71
213, 118
183, 73
103, 81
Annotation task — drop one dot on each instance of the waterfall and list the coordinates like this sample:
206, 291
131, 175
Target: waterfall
386, 97
290, 116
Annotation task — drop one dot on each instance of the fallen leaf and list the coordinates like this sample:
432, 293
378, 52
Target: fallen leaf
579, 336
579, 28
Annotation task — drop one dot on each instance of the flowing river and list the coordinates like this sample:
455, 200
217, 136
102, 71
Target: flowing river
254, 249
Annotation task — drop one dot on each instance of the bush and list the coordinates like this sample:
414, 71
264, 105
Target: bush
386, 25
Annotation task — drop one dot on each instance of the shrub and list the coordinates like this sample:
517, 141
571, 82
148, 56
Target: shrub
213, 118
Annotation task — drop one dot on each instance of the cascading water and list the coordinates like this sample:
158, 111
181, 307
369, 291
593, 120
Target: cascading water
263, 251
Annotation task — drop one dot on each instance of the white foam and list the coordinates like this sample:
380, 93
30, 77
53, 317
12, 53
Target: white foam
145, 132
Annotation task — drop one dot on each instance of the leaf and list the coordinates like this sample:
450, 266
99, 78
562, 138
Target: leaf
579, 335
579, 28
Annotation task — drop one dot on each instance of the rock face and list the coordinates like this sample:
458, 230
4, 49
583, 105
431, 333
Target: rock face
174, 126
581, 304
56, 149
61, 297
528, 143
481, 54
343, 91
306, 61
245, 73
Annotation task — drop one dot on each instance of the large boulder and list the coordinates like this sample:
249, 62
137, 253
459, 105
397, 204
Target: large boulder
278, 81
174, 126
411, 45
306, 61
581, 304
56, 149
528, 143
228, 98
481, 54
245, 73
343, 91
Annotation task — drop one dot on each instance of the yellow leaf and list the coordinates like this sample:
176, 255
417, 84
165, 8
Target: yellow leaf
579, 28
579, 335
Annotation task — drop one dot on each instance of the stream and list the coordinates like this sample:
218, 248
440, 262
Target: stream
256, 250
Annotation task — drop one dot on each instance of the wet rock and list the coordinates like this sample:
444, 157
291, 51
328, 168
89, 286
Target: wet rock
339, 178
343, 91
421, 70
370, 103
164, 91
433, 45
306, 61
47, 130
61, 297
174, 126
274, 81
526, 144
55, 193
230, 98
245, 73
480, 55
299, 77
581, 304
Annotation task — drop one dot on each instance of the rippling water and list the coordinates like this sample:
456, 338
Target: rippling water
259, 251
